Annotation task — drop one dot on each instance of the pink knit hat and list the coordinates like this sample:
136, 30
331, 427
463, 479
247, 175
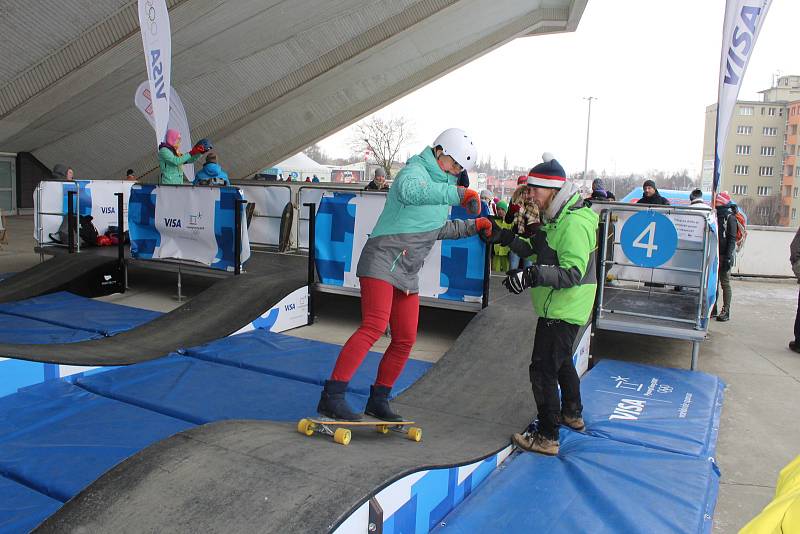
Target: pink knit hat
723, 198
172, 137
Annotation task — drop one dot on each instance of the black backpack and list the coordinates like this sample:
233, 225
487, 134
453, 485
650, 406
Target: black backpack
87, 232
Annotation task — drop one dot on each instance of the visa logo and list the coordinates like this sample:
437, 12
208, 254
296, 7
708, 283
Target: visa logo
289, 307
157, 73
628, 409
107, 209
172, 223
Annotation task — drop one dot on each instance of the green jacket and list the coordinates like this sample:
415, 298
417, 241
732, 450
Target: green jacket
565, 256
414, 217
172, 166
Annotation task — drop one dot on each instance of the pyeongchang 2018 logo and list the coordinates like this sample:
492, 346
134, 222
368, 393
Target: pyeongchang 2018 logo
193, 223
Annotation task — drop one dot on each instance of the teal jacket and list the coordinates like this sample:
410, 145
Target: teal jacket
171, 165
414, 217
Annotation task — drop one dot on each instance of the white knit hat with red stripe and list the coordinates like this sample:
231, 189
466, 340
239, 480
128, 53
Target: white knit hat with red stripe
548, 174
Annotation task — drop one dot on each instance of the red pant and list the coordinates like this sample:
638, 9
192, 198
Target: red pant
381, 304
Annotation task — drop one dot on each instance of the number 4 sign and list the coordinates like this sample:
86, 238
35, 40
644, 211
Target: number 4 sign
649, 239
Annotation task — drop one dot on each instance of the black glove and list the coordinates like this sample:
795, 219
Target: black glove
501, 236
518, 279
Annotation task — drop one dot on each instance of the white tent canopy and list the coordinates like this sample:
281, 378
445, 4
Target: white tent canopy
304, 167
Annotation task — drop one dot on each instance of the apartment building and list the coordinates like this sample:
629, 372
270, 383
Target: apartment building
758, 166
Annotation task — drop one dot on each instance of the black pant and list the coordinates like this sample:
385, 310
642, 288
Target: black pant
551, 366
797, 321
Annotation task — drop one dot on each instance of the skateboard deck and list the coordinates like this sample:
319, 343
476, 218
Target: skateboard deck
341, 433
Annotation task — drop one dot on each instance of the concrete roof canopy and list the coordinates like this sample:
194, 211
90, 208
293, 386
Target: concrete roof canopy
262, 79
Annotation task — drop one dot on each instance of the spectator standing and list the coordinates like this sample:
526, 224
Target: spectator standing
130, 176
315, 179
500, 257
378, 182
726, 226
523, 215
170, 159
650, 195
599, 191
211, 173
696, 200
60, 172
794, 258
563, 285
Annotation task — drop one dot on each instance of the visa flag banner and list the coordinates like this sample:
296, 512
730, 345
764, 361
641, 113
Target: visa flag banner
157, 41
743, 21
143, 100
186, 223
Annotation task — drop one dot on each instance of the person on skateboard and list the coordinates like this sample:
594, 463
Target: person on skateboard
414, 217
563, 283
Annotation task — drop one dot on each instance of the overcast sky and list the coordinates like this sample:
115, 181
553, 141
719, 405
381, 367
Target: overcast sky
653, 67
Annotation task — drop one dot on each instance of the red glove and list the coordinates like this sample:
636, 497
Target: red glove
484, 226
470, 199
197, 149
514, 208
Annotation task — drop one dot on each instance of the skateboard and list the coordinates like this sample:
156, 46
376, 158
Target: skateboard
285, 231
341, 433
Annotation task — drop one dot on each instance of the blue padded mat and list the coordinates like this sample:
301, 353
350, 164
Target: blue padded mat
58, 438
71, 311
21, 508
23, 330
670, 409
298, 359
201, 392
594, 485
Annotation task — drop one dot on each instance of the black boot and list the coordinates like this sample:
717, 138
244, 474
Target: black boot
378, 404
333, 404
725, 315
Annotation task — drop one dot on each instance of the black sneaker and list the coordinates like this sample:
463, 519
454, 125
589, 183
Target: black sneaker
794, 345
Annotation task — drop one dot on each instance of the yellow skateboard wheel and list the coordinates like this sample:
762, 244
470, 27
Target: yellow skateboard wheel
415, 434
304, 426
342, 436
383, 429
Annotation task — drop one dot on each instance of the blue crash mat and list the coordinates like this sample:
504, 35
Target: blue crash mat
21, 508
670, 409
200, 392
298, 359
594, 485
71, 311
22, 330
57, 438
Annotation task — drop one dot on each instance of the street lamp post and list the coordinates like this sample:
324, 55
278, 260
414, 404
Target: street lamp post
588, 124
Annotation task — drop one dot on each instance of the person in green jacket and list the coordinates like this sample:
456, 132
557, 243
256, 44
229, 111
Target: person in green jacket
563, 282
414, 217
171, 161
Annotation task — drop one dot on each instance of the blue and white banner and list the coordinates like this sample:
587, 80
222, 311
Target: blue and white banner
143, 100
743, 21
157, 41
186, 223
453, 270
95, 197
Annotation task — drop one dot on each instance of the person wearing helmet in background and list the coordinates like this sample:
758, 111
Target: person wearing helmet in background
171, 161
414, 217
563, 282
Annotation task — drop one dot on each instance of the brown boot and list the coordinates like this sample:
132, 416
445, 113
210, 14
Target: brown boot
575, 423
536, 443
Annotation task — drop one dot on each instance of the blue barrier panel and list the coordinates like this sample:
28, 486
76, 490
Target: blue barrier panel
298, 359
21, 508
670, 409
594, 485
201, 392
72, 311
58, 438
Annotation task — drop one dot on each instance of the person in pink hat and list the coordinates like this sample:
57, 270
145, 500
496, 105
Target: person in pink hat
170, 159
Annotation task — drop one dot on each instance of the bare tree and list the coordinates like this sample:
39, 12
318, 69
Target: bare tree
383, 138
316, 153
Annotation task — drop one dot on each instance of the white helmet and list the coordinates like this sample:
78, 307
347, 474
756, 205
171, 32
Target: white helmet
457, 144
